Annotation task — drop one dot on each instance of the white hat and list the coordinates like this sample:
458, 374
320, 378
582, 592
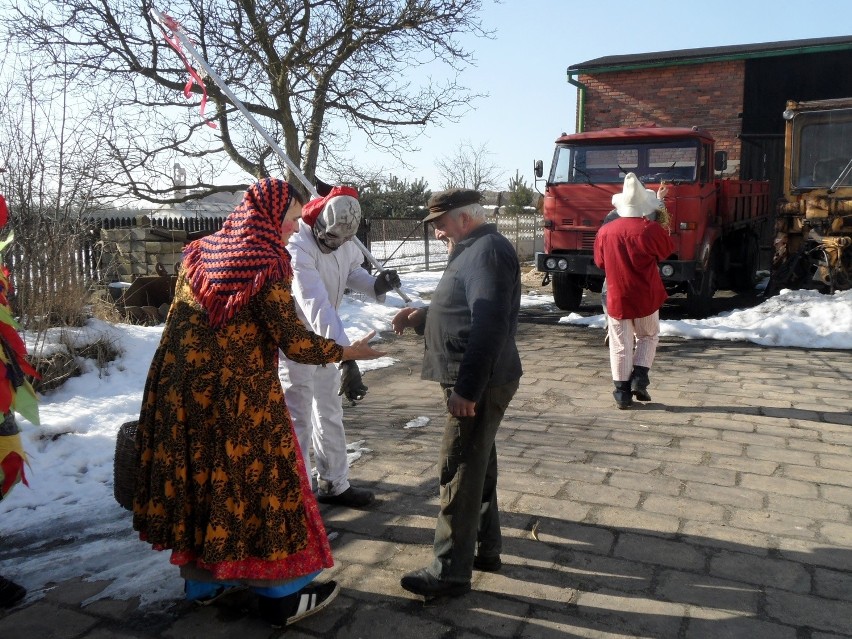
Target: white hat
635, 200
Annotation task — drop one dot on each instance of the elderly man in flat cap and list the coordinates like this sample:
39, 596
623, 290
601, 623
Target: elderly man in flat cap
469, 330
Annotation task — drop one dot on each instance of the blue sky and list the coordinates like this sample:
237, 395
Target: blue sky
524, 67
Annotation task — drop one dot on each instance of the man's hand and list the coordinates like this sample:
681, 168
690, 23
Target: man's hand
385, 281
458, 406
407, 318
351, 385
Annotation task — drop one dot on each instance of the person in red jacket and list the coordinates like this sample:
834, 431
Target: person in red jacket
628, 250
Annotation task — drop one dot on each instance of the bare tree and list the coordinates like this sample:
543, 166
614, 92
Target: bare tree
47, 156
311, 71
470, 167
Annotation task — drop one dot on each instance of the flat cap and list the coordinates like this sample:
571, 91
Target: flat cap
451, 199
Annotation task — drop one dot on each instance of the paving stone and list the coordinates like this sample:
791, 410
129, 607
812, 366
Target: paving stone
779, 485
645, 483
642, 437
530, 483
833, 584
819, 475
691, 516
629, 520
46, 621
491, 615
551, 624
813, 612
835, 533
598, 494
773, 523
353, 548
623, 462
679, 455
796, 435
579, 471
808, 508
73, 591
727, 495
722, 536
778, 454
557, 508
730, 448
836, 462
815, 553
662, 552
726, 626
565, 536
764, 571
395, 623
602, 446
837, 494
684, 508
703, 474
754, 439
640, 614
744, 464
706, 591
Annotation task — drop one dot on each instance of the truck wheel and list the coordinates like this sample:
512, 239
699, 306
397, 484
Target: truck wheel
567, 291
744, 277
699, 297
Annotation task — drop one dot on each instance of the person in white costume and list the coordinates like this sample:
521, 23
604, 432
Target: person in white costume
325, 263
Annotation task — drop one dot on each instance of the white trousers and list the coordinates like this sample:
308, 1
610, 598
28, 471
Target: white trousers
317, 413
632, 342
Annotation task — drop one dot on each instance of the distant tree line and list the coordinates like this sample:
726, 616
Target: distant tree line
397, 198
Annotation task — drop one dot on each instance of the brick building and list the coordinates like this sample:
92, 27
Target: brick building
737, 93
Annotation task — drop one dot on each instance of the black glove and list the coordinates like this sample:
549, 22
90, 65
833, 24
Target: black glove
351, 385
385, 281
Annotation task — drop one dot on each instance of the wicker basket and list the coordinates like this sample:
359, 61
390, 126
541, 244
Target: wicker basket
126, 464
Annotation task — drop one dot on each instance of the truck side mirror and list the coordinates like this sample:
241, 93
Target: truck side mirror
538, 168
720, 160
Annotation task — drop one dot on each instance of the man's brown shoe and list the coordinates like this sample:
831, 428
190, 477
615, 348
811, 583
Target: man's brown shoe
487, 563
422, 582
351, 498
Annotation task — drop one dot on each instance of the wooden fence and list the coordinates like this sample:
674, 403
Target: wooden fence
402, 244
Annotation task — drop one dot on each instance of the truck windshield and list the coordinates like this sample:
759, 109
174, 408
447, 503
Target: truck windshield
650, 161
822, 147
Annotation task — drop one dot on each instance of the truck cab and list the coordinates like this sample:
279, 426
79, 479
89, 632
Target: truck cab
813, 241
589, 168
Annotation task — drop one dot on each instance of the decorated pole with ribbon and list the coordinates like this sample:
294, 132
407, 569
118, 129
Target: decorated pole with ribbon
168, 24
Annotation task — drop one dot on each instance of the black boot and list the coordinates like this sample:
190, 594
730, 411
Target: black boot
639, 383
622, 394
10, 593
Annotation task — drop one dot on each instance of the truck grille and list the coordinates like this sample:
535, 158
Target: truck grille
587, 241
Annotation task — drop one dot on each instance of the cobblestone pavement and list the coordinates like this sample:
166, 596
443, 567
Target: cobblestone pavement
719, 509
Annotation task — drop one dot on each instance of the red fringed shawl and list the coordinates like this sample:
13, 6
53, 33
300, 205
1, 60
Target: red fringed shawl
227, 268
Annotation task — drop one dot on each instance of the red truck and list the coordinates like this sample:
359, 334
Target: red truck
716, 224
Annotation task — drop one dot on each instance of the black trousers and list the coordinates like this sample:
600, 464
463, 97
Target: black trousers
469, 520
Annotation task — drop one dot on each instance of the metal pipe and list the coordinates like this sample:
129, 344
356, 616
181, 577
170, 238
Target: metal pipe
581, 102
165, 25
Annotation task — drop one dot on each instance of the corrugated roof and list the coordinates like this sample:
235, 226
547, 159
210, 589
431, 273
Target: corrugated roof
694, 56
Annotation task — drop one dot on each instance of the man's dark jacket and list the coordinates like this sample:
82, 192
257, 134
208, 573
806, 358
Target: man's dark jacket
473, 316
